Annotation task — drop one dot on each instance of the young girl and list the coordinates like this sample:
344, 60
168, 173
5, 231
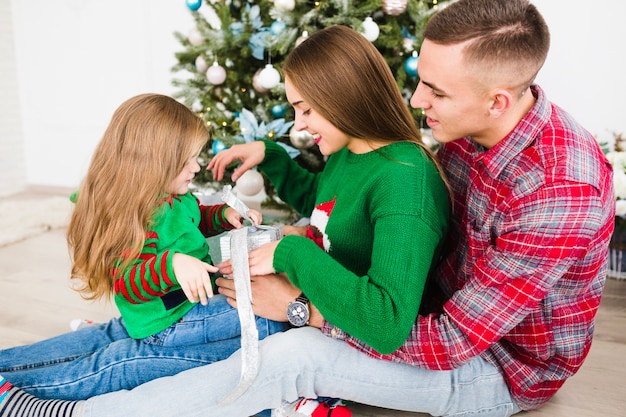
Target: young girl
137, 232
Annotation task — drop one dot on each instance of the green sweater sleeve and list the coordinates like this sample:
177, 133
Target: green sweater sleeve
294, 184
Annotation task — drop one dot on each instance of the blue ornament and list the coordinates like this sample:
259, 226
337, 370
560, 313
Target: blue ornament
194, 4
277, 27
279, 110
218, 146
410, 65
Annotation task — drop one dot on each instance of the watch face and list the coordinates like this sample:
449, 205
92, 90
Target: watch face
298, 313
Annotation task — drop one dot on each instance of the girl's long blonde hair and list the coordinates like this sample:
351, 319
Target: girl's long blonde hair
144, 148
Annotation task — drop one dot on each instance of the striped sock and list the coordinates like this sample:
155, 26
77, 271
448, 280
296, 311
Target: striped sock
16, 403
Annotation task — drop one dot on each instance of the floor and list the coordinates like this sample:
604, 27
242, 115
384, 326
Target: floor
37, 302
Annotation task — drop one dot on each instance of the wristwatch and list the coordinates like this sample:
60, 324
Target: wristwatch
298, 311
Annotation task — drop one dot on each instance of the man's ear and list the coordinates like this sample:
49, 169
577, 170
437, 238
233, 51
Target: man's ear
501, 101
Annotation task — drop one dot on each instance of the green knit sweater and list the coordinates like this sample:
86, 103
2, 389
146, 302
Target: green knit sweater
147, 293
383, 216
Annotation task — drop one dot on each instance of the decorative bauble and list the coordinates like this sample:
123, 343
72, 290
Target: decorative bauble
277, 27
250, 183
218, 146
279, 110
201, 64
301, 139
285, 5
216, 74
256, 84
408, 44
269, 77
302, 37
370, 29
394, 7
410, 65
194, 4
195, 37
196, 106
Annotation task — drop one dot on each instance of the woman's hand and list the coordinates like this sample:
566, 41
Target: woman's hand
250, 154
260, 260
193, 276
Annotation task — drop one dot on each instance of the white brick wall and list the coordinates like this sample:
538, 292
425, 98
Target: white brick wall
12, 170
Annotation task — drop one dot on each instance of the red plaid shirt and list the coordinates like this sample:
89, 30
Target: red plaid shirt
527, 258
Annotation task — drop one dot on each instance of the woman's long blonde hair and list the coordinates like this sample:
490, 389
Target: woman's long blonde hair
346, 80
144, 148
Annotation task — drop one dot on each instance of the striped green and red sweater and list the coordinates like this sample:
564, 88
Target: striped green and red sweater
147, 293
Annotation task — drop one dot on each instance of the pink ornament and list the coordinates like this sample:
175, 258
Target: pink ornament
256, 84
201, 64
195, 37
216, 74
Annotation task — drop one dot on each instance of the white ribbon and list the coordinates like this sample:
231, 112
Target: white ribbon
249, 331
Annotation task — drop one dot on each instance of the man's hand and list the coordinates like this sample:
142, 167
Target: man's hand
271, 294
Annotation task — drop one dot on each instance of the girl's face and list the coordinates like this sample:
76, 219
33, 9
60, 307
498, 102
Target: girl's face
326, 135
180, 184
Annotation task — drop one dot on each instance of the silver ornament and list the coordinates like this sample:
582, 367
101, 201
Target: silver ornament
394, 7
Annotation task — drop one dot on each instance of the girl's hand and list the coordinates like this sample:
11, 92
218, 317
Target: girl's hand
193, 276
236, 219
250, 154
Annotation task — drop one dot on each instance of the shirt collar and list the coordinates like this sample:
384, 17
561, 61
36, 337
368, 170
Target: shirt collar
520, 138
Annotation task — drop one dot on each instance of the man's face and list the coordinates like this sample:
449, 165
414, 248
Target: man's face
449, 95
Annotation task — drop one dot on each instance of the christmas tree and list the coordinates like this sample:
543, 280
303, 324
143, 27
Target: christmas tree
231, 62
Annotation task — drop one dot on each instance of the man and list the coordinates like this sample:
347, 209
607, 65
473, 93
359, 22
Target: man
510, 315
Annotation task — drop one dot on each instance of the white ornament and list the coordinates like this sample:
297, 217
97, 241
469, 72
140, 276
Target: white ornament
370, 29
201, 64
250, 183
302, 38
216, 74
195, 37
285, 5
269, 77
196, 106
301, 139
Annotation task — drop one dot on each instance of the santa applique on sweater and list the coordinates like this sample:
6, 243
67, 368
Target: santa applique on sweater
319, 220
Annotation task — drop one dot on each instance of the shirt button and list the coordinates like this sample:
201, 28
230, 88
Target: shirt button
334, 332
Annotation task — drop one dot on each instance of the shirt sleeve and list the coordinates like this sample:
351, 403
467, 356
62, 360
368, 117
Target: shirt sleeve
544, 234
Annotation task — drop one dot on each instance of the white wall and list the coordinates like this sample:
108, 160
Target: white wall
77, 60
585, 72
12, 169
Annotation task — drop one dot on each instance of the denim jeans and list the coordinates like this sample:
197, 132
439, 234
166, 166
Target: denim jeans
305, 363
104, 358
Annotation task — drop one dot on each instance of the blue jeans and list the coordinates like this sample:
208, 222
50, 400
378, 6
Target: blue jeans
305, 363
104, 358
